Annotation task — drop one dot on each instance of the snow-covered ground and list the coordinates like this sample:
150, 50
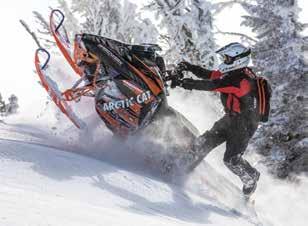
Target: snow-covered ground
44, 185
44, 182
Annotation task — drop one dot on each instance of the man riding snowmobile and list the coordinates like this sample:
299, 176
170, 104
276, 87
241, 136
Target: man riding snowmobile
241, 91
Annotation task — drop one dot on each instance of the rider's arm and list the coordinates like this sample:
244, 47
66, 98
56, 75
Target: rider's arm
203, 73
200, 72
223, 85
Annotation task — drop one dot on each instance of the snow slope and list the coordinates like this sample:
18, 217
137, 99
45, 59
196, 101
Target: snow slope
43, 185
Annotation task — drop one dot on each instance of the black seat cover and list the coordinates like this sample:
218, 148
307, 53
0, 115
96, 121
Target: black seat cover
145, 47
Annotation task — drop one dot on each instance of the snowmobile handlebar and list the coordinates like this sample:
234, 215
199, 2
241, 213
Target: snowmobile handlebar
174, 74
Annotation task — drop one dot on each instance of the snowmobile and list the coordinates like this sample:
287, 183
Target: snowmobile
127, 82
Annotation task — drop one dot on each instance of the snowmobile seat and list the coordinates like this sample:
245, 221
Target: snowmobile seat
146, 50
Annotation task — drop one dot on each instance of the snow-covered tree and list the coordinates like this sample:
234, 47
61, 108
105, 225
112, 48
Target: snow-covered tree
12, 106
188, 30
72, 24
2, 104
8, 108
112, 18
117, 19
279, 50
278, 54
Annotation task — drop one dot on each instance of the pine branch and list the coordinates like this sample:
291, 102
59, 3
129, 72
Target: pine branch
33, 35
165, 38
220, 6
40, 19
236, 34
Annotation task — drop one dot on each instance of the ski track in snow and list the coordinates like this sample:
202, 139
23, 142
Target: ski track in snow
42, 184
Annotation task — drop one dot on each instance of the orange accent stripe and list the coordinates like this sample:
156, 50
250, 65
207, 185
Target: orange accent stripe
263, 95
127, 117
260, 96
132, 87
152, 86
74, 94
115, 124
153, 72
136, 108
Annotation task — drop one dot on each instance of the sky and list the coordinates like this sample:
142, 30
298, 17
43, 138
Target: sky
18, 48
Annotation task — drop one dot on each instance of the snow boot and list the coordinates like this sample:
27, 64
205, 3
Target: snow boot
251, 185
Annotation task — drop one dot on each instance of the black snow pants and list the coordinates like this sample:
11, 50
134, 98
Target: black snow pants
236, 131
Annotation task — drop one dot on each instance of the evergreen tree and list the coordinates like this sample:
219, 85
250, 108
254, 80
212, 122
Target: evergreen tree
279, 50
113, 19
188, 25
278, 54
2, 104
9, 108
12, 106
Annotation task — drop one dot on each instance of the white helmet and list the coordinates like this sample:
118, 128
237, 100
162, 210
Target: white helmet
235, 56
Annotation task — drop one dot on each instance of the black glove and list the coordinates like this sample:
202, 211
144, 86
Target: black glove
183, 66
187, 83
175, 82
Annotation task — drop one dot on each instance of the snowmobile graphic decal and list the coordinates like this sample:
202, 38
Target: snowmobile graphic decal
140, 99
128, 90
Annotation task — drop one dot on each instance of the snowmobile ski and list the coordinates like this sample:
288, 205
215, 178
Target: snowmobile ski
42, 58
62, 40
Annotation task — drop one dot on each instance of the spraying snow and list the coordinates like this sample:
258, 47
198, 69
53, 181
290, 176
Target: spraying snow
42, 185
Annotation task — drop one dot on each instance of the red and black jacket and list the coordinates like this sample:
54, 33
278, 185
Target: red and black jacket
236, 87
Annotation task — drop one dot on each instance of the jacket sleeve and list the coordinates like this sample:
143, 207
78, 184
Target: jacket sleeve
223, 85
200, 72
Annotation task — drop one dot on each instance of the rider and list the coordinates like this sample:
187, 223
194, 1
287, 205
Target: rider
234, 80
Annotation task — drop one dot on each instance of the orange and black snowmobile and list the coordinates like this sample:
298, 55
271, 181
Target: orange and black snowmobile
126, 81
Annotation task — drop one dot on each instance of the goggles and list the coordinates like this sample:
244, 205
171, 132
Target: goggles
230, 60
